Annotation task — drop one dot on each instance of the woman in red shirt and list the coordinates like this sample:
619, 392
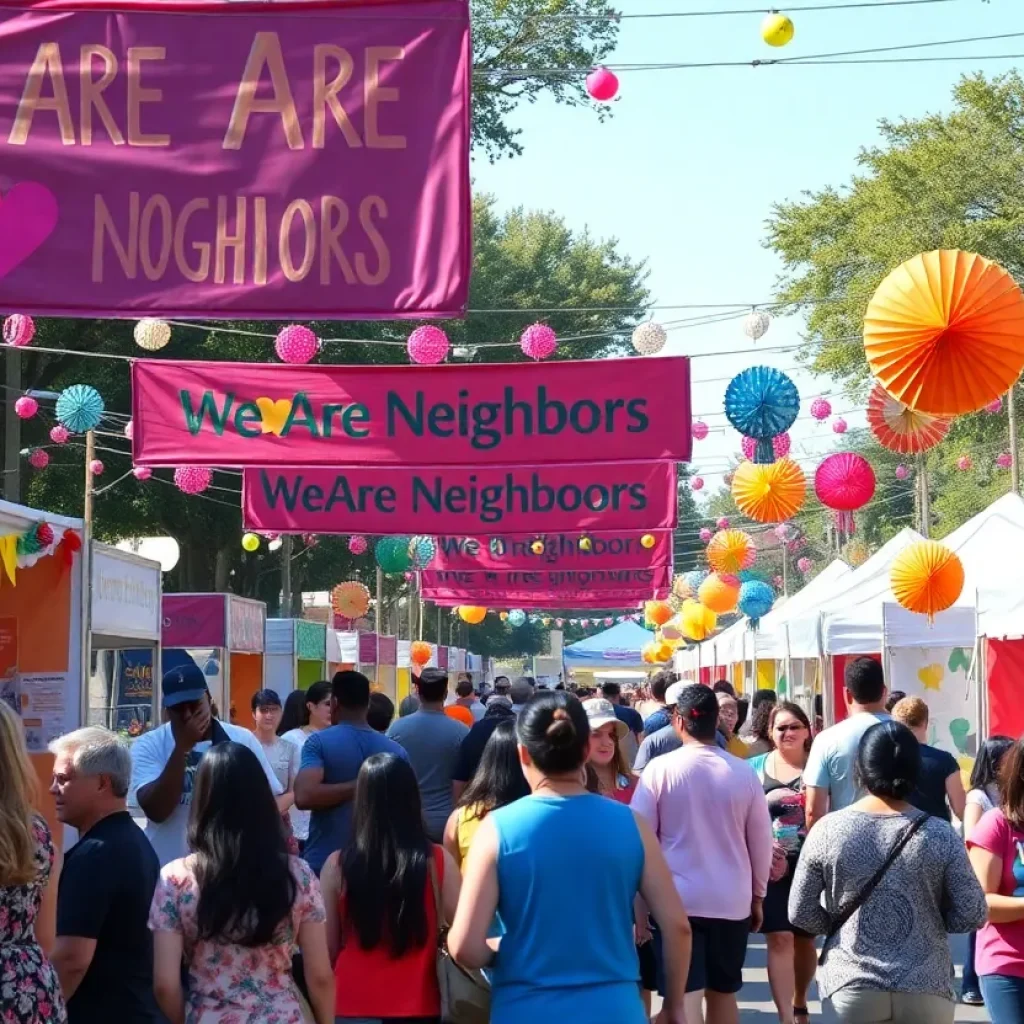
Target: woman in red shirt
381, 918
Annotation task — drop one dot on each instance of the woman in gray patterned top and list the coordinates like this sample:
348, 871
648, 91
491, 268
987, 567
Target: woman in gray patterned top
890, 960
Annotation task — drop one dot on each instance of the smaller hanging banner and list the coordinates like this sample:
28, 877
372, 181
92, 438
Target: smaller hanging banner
572, 581
398, 500
590, 600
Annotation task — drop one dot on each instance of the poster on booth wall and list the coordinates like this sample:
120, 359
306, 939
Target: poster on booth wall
44, 708
9, 663
133, 696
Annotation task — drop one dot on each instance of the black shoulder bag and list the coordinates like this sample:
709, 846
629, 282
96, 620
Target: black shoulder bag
865, 894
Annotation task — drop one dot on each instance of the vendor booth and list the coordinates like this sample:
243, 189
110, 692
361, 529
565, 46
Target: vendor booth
386, 680
403, 673
296, 654
224, 635
619, 647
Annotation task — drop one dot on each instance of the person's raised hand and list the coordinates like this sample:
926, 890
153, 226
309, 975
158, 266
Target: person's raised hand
190, 730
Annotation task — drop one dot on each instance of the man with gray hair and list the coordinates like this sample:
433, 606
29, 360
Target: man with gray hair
104, 950
522, 690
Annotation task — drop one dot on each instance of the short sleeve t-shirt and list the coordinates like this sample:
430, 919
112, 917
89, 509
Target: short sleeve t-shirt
105, 891
340, 752
664, 741
471, 750
832, 762
657, 720
150, 754
930, 795
1000, 947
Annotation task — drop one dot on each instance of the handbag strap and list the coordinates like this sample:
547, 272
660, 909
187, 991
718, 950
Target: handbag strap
435, 884
865, 894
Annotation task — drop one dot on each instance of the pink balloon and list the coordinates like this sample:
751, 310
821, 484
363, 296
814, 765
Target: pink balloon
839, 426
723, 523
25, 407
964, 463
602, 85
995, 406
697, 483
699, 430
142, 472
1004, 460
902, 472
821, 409
96, 467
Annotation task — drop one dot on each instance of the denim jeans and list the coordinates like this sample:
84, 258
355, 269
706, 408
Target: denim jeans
1004, 998
970, 974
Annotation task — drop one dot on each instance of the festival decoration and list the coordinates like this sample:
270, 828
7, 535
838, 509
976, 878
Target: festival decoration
699, 430
722, 523
769, 493
537, 547
503, 616
694, 578
705, 534
778, 582
26, 407
250, 542
902, 472
680, 588
657, 613
785, 532
731, 550
696, 622
296, 344
965, 463
310, 540
821, 409
586, 543
1004, 460
719, 592
39, 458
780, 446
422, 551
926, 577
419, 653
844, 482
755, 600
129, 430
427, 345
193, 479
805, 565
649, 338
80, 408
19, 330
697, 483
357, 545
901, 429
602, 85
994, 407
855, 553
350, 599
648, 540
839, 426
59, 434
152, 334
777, 29
756, 325
538, 341
516, 618
142, 473
96, 467
761, 403
393, 554
944, 332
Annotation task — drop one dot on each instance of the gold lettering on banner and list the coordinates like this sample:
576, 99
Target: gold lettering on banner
259, 244
92, 92
47, 64
158, 203
265, 52
284, 248
375, 94
137, 96
333, 221
326, 95
373, 205
103, 224
235, 242
202, 271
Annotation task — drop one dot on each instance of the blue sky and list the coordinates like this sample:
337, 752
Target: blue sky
687, 170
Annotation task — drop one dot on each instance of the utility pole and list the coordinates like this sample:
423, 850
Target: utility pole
378, 619
1011, 415
286, 576
924, 497
12, 427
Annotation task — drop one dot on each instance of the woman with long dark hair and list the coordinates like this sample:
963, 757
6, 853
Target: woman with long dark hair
562, 868
305, 712
236, 907
499, 780
382, 919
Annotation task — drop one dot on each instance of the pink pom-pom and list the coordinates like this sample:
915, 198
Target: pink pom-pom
296, 344
699, 430
96, 467
26, 407
44, 534
706, 535
821, 409
805, 565
357, 545
697, 483
778, 581
902, 472
1004, 460
609, 621
19, 330
38, 458
129, 430
538, 341
59, 434
780, 446
602, 85
964, 463
584, 622
142, 472
193, 479
427, 345
995, 406
310, 540
839, 426
723, 523
409, 576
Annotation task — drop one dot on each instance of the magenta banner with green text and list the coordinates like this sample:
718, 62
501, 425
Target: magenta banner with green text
529, 598
302, 160
569, 581
408, 500
253, 414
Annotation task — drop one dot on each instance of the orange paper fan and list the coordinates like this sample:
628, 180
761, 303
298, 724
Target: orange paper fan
899, 428
771, 493
731, 550
657, 613
720, 593
926, 577
944, 332
419, 652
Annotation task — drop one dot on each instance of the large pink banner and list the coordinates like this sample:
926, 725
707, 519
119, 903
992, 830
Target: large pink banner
583, 600
250, 414
401, 500
567, 581
566, 550
242, 160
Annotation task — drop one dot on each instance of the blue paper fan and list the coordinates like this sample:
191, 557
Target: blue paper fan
80, 408
762, 403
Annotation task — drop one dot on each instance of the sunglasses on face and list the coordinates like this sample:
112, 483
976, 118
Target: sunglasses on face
788, 728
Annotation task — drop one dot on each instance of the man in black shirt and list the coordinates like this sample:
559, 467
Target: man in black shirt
104, 950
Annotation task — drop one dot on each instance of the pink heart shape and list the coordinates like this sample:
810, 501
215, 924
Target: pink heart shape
28, 215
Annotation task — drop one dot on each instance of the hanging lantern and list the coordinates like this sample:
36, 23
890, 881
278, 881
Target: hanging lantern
26, 407
777, 29
420, 653
761, 403
584, 622
755, 600
152, 334
357, 545
902, 472
559, 623
926, 577
296, 344
839, 425
768, 494
680, 588
648, 540
310, 540
516, 618
699, 430
705, 534
696, 622
781, 444
649, 338
944, 332
422, 551
697, 483
96, 467
719, 592
39, 458
59, 434
472, 614
393, 554
805, 565
994, 407
756, 324
351, 599
723, 523
602, 85
503, 616
538, 341
785, 532
844, 482
731, 550
694, 578
901, 429
821, 409
1004, 460
778, 581
427, 345
965, 463
80, 408
657, 613
586, 543
193, 479
19, 330
142, 473
856, 553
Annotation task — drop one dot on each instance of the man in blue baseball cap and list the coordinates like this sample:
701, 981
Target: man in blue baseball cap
164, 760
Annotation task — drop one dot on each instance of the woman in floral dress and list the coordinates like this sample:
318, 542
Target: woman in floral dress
29, 989
236, 907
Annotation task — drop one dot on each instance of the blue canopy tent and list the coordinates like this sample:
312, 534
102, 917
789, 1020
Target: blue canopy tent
618, 647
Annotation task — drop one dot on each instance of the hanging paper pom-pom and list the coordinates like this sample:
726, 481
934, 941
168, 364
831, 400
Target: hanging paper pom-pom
538, 341
856, 553
517, 618
44, 535
503, 616
694, 578
419, 653
39, 458
96, 467
19, 330
142, 472
926, 577
844, 482
648, 540
761, 403
357, 545
722, 523
769, 493
427, 345
129, 430
755, 600
719, 593
778, 582
731, 550
422, 551
193, 479
785, 532
780, 446
586, 544
393, 554
472, 614
697, 483
26, 407
902, 472
250, 542
59, 434
351, 599
1004, 460
965, 463
296, 344
559, 623
152, 334
602, 85
537, 547
777, 29
705, 534
821, 409
649, 338
699, 430
80, 408
994, 407
310, 540
657, 613
805, 565
696, 622
756, 324
839, 425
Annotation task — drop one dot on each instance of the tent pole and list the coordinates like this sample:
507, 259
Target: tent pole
924, 496
1011, 413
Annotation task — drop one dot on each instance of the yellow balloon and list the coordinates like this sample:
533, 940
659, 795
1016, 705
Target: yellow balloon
777, 29
503, 616
250, 541
472, 614
537, 547
586, 543
648, 541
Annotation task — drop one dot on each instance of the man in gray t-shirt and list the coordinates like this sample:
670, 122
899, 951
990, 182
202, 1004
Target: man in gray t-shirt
432, 741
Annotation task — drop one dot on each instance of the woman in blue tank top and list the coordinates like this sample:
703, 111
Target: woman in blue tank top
561, 868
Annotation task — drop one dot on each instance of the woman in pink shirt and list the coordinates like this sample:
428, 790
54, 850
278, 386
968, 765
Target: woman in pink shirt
997, 855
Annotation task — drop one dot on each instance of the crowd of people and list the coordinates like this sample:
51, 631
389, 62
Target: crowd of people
565, 857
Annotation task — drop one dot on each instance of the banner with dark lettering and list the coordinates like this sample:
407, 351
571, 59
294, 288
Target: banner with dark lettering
571, 581
565, 550
246, 161
589, 600
251, 414
405, 500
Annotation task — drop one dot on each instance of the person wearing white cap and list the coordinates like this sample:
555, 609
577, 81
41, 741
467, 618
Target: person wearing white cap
666, 740
607, 731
